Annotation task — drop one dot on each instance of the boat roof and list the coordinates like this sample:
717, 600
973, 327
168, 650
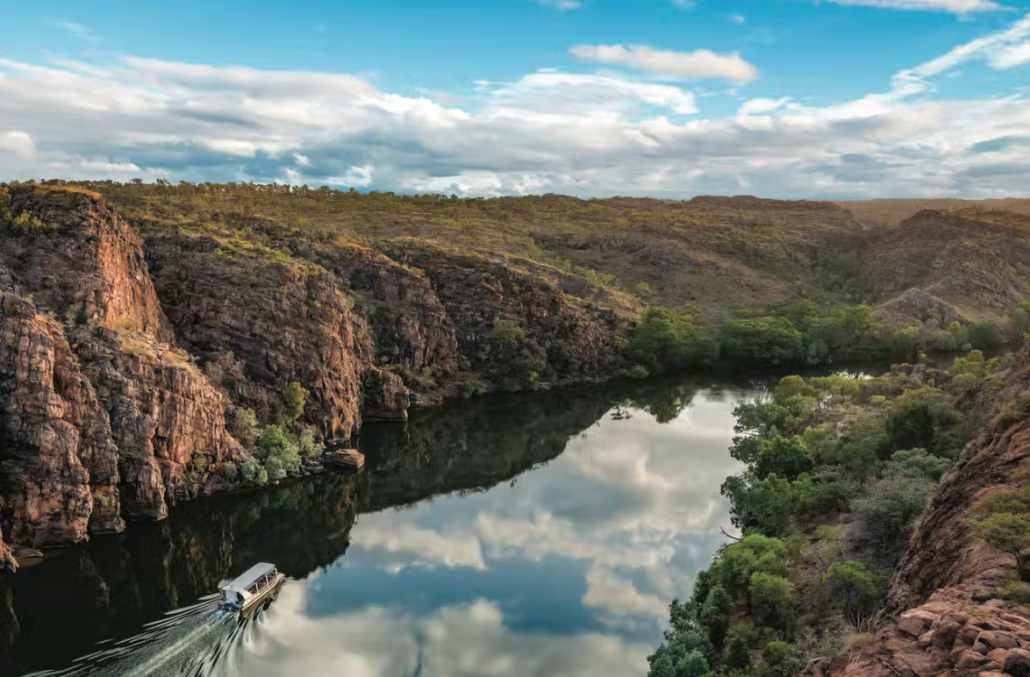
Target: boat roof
250, 576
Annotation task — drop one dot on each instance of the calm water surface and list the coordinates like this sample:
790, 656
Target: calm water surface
522, 536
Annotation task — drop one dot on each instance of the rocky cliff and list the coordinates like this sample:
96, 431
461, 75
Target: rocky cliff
102, 415
129, 349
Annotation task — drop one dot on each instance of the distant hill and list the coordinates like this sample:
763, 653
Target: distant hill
874, 213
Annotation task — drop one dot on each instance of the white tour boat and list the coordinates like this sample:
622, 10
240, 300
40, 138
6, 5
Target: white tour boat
254, 585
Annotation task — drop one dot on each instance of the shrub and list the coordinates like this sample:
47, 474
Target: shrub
474, 387
253, 472
276, 442
787, 458
294, 399
889, 509
920, 464
507, 335
767, 340
769, 595
1008, 532
763, 505
694, 664
275, 468
782, 659
858, 590
666, 340
713, 615
737, 655
309, 446
230, 471
912, 425
244, 427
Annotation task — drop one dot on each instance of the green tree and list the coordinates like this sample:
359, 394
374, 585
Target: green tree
785, 457
858, 590
667, 340
767, 340
769, 595
737, 655
713, 615
1008, 532
694, 664
294, 400
912, 425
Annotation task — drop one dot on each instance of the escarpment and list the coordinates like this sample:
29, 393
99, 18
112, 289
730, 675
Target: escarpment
128, 354
513, 326
102, 415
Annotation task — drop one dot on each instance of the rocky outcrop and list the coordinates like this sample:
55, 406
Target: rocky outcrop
286, 320
553, 337
952, 633
974, 263
58, 463
103, 414
408, 321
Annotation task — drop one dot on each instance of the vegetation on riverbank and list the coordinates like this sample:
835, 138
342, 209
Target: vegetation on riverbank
838, 471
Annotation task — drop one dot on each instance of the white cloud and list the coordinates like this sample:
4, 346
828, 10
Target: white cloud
549, 131
302, 160
561, 5
758, 106
954, 6
738, 19
701, 63
19, 143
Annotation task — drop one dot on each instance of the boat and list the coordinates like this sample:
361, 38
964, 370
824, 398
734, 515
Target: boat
252, 587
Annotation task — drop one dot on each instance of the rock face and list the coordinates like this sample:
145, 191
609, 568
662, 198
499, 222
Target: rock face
556, 338
286, 321
101, 414
972, 261
106, 413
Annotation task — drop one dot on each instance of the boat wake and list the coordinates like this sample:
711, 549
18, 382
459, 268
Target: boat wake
195, 641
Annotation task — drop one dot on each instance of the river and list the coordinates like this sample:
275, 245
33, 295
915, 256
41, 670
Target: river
523, 535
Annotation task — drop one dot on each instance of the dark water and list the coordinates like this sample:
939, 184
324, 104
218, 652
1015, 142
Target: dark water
510, 536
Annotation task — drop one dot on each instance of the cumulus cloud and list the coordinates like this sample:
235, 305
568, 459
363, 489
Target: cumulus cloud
953, 6
548, 131
759, 106
701, 63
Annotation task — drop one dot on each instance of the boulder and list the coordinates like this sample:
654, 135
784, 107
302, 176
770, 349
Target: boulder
1017, 663
946, 633
916, 622
970, 660
997, 640
351, 459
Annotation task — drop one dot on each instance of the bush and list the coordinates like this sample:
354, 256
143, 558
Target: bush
782, 659
694, 664
294, 399
274, 466
765, 340
474, 387
890, 508
244, 427
737, 655
920, 464
856, 589
230, 471
309, 447
913, 425
278, 443
763, 505
666, 340
769, 595
1003, 521
787, 458
253, 472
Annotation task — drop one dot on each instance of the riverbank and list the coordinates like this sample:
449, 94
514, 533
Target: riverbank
839, 471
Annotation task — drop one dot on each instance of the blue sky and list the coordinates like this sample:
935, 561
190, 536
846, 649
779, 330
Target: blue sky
589, 97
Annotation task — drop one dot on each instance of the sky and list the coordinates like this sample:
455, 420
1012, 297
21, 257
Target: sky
827, 99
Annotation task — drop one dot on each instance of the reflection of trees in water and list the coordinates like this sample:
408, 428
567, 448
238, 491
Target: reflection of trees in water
53, 613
